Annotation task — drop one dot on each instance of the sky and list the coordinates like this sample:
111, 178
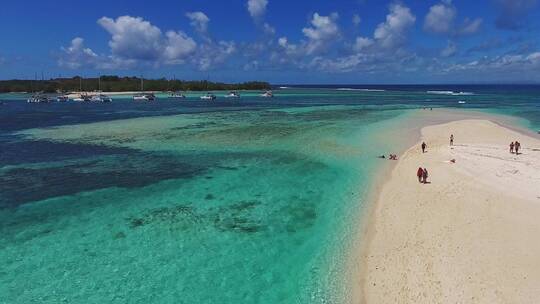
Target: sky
282, 42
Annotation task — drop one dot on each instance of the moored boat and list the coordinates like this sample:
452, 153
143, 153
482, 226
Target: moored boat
62, 98
208, 96
144, 97
177, 95
267, 94
101, 98
233, 94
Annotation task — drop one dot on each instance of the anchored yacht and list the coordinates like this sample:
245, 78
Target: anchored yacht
233, 94
144, 97
208, 96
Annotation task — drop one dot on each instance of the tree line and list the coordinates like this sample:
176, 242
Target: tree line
122, 84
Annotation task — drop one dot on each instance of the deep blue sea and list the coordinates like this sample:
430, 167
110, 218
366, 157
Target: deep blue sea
183, 201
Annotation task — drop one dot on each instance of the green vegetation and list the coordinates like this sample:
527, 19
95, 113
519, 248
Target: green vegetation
123, 84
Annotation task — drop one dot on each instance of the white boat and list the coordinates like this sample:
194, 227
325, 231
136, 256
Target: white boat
144, 97
62, 98
208, 96
38, 98
101, 98
82, 98
232, 94
267, 94
177, 95
461, 102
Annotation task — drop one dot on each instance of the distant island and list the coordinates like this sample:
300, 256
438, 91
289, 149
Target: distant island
122, 84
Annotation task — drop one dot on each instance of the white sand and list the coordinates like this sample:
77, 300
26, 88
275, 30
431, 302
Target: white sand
472, 235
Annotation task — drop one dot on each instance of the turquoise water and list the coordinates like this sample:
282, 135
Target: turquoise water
251, 202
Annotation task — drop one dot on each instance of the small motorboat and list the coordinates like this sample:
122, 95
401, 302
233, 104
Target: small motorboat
233, 94
62, 98
82, 98
101, 98
267, 94
177, 95
38, 98
208, 96
144, 97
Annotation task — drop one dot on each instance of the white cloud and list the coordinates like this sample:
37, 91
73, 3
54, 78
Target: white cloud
470, 26
199, 21
211, 54
178, 47
361, 43
76, 55
440, 18
393, 32
450, 50
257, 8
133, 38
290, 48
510, 63
534, 58
342, 64
322, 32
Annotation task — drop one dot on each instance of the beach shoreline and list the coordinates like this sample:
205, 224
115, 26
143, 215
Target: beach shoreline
377, 231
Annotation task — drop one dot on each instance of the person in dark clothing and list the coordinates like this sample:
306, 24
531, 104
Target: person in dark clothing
512, 147
424, 147
451, 139
424, 175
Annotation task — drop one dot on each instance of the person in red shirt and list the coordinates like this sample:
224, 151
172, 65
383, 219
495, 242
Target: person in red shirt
419, 174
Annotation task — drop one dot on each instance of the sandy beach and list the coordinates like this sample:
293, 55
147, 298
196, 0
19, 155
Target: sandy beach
468, 236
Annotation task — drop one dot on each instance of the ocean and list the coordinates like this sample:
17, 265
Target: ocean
183, 201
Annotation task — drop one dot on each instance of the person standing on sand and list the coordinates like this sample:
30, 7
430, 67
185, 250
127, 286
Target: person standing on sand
424, 175
512, 147
517, 146
424, 147
419, 174
451, 139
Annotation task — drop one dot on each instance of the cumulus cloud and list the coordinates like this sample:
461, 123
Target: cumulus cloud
133, 38
257, 8
392, 33
211, 54
289, 48
512, 13
441, 20
321, 33
199, 21
362, 43
76, 55
177, 47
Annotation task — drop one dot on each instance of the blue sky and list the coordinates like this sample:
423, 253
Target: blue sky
347, 41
